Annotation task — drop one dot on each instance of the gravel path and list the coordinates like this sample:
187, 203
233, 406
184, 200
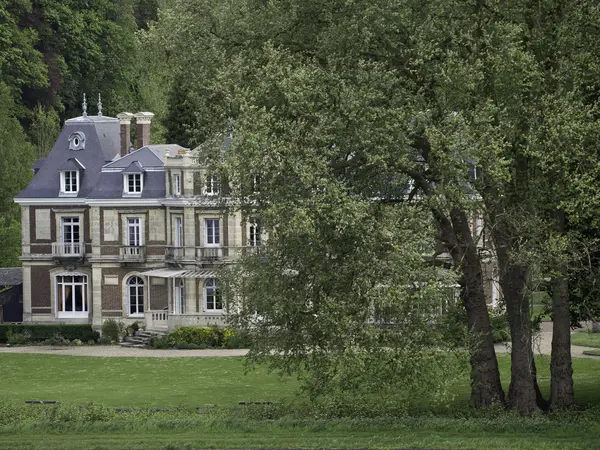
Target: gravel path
112, 351
542, 343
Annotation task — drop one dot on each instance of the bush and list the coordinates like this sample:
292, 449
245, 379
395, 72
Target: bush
106, 340
18, 338
110, 329
57, 340
235, 339
189, 346
159, 342
499, 321
41, 332
205, 336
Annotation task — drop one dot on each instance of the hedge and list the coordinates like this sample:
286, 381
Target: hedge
39, 332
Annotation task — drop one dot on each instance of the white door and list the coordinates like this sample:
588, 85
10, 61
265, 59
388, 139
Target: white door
178, 296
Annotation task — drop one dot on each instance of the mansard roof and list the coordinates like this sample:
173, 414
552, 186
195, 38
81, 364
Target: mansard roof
143, 160
101, 144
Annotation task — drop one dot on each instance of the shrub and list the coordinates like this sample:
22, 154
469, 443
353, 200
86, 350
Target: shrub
105, 340
189, 346
499, 321
235, 339
41, 332
57, 340
18, 338
206, 336
159, 342
110, 329
135, 326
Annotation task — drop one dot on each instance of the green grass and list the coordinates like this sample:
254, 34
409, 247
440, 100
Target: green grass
592, 352
141, 382
586, 339
191, 382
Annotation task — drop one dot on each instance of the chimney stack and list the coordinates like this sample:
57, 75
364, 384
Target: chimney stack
142, 130
125, 122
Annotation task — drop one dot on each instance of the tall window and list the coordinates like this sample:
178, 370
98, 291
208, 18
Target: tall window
71, 295
69, 182
134, 231
133, 183
135, 296
69, 231
212, 295
254, 235
212, 185
177, 185
178, 296
177, 231
212, 235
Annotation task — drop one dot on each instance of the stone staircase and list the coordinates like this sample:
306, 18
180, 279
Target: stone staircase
141, 339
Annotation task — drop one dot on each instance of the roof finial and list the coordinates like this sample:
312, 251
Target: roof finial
99, 105
84, 106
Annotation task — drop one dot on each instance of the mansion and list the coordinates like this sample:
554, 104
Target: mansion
128, 233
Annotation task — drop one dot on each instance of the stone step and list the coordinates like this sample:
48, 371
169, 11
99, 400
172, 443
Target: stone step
136, 339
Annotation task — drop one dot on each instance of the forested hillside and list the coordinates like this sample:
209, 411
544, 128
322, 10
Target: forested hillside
51, 52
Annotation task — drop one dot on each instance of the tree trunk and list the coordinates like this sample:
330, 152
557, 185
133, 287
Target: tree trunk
561, 370
523, 390
486, 388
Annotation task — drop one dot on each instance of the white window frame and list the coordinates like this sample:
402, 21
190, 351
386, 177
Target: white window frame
178, 296
211, 187
133, 192
133, 223
72, 246
254, 233
133, 282
213, 232
66, 188
177, 184
60, 293
211, 288
178, 238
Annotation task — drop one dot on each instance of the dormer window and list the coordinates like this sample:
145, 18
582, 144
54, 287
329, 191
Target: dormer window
77, 141
134, 183
69, 182
212, 185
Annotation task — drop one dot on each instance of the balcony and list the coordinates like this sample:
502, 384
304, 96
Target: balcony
68, 250
211, 253
132, 253
173, 253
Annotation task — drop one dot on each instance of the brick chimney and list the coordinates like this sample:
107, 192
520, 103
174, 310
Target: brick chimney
142, 130
125, 133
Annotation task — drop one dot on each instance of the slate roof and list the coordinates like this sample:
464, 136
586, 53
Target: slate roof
145, 160
11, 276
101, 145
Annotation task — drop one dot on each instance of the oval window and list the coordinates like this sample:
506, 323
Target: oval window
76, 141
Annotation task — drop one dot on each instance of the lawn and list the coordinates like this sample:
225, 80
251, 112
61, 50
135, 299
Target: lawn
586, 339
192, 382
136, 382
592, 352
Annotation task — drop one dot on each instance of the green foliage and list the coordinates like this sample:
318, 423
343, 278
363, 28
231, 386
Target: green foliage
39, 333
18, 338
586, 339
58, 340
159, 342
201, 337
110, 330
106, 340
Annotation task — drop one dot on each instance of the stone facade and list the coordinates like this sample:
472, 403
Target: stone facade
127, 255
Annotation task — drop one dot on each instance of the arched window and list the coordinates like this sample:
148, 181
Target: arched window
135, 296
212, 295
